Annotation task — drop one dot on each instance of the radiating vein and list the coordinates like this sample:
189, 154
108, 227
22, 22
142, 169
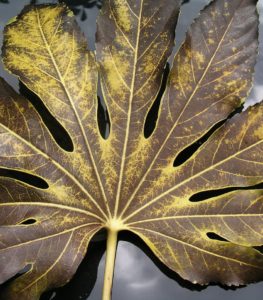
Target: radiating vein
50, 236
52, 266
227, 258
60, 167
127, 129
57, 206
192, 178
179, 117
76, 114
201, 216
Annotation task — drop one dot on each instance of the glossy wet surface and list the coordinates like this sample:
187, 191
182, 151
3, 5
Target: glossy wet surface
138, 275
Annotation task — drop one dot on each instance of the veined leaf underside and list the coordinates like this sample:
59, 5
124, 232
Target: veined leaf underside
128, 181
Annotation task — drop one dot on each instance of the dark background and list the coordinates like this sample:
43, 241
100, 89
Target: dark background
138, 275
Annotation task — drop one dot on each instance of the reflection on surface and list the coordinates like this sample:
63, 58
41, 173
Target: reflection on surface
138, 275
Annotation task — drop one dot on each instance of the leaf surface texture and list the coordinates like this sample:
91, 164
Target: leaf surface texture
128, 181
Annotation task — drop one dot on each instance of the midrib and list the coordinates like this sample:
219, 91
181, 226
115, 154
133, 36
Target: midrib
129, 114
75, 113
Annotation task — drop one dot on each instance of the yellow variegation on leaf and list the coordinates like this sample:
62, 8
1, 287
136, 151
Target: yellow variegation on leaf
128, 181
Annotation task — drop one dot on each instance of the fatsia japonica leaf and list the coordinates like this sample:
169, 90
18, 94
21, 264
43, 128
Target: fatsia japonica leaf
128, 181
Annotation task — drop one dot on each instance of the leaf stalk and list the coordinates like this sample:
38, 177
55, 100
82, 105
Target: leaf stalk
112, 240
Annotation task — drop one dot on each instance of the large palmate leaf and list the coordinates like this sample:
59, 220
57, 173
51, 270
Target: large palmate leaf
128, 181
